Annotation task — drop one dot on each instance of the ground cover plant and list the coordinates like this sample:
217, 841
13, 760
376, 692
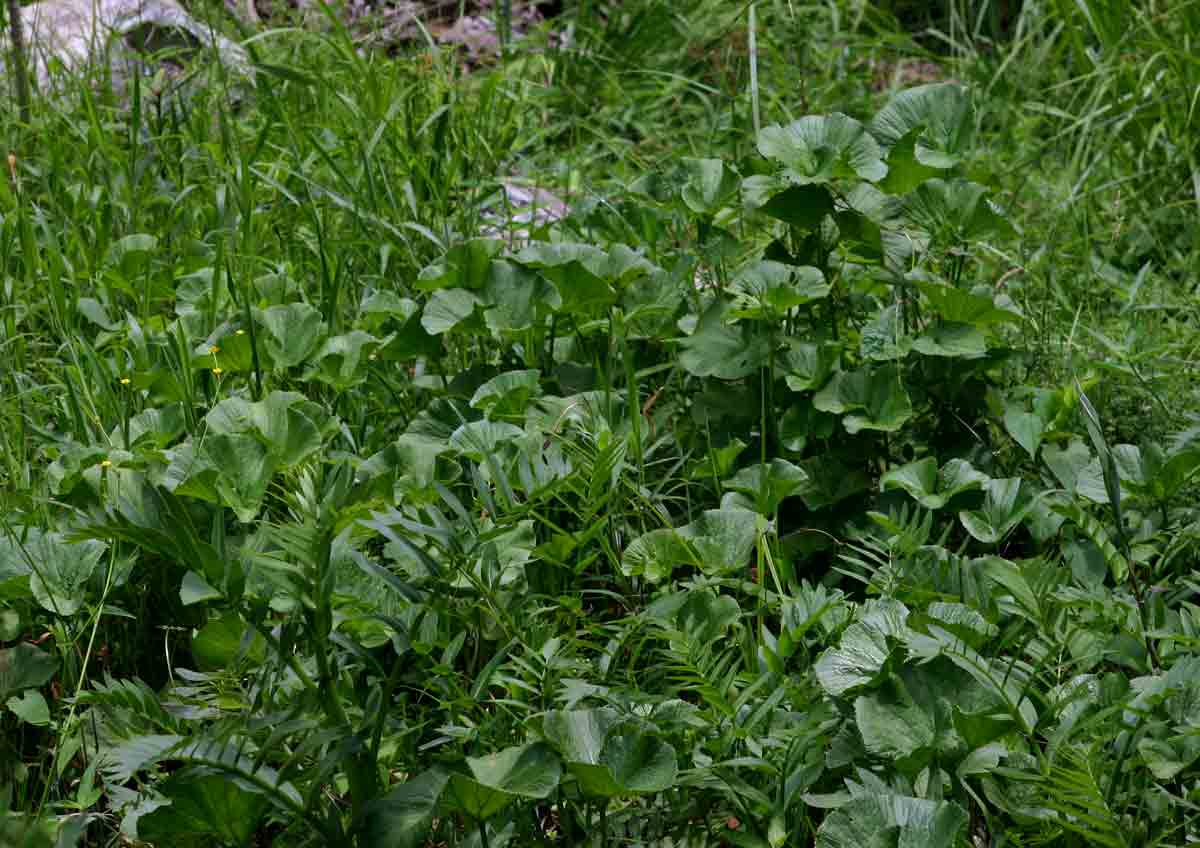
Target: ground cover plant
826, 476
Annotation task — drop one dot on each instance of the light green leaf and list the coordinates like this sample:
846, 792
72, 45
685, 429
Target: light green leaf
293, 333
479, 440
60, 570
856, 661
930, 487
709, 186
807, 365
768, 485
465, 266
507, 394
964, 341
341, 360
639, 763
769, 289
891, 724
579, 734
963, 307
527, 771
30, 707
823, 148
447, 309
1006, 502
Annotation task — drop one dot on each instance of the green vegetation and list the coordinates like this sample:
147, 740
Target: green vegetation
826, 483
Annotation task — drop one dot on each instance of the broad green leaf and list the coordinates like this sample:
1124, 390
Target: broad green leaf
807, 365
871, 398
722, 538
30, 707
640, 763
716, 349
479, 440
1069, 465
955, 212
924, 129
516, 297
58, 571
205, 802
195, 590
941, 110
220, 642
705, 616
447, 309
507, 394
465, 266
1026, 428
130, 251
930, 487
619, 264
656, 554
823, 148
402, 818
802, 206
768, 290
962, 307
495, 781
768, 485
710, 185
883, 338
24, 666
891, 724
244, 471
830, 481
856, 661
341, 360
293, 333
952, 340
579, 734
290, 427
718, 542
1006, 502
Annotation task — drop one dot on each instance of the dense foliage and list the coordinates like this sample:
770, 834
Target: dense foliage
826, 483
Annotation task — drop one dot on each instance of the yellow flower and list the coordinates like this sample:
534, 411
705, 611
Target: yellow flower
240, 333
216, 372
124, 381
214, 349
105, 463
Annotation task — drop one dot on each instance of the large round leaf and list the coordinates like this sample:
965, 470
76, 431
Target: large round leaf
823, 148
495, 781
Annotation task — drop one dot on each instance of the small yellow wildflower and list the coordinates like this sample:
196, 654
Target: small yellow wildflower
124, 381
216, 372
105, 463
240, 333
214, 349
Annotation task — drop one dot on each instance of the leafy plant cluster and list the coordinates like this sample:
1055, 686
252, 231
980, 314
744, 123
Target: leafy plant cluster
718, 513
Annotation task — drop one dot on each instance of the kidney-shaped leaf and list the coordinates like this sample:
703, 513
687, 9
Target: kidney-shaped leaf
525, 771
930, 487
869, 399
823, 148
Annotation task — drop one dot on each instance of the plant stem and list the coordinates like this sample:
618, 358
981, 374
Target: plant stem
20, 63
